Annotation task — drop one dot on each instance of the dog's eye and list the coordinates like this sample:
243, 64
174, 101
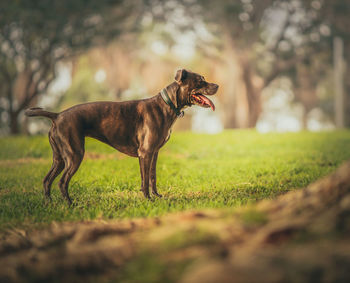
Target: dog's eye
201, 80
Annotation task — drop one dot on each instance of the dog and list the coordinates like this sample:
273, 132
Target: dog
138, 128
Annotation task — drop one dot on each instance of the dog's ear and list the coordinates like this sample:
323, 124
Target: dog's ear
180, 75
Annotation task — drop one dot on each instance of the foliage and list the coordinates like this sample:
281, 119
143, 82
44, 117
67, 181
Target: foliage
266, 38
84, 87
194, 171
34, 35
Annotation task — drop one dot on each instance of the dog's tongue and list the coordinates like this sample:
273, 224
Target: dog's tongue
206, 101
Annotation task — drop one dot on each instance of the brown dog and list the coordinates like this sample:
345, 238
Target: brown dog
138, 128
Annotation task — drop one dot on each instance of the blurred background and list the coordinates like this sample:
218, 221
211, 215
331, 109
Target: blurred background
281, 65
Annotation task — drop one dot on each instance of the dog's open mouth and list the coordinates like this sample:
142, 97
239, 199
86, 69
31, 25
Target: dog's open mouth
201, 100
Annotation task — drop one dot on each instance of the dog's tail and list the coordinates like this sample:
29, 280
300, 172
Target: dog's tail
37, 111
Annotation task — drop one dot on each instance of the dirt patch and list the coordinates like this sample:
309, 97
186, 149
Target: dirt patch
301, 236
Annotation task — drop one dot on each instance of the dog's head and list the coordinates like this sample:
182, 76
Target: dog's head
193, 88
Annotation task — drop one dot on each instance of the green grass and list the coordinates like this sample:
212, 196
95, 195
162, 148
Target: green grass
194, 171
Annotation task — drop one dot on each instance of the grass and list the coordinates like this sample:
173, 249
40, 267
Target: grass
194, 171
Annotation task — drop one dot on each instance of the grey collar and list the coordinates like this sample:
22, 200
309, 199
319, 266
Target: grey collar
164, 94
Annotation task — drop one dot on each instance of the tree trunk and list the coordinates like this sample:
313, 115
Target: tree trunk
347, 82
242, 103
14, 127
253, 94
347, 97
338, 83
229, 98
304, 118
25, 92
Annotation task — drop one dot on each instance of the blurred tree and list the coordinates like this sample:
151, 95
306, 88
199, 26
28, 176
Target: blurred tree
335, 15
266, 39
310, 42
86, 85
238, 24
320, 22
36, 34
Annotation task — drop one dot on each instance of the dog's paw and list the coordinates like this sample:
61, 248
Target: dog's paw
47, 200
157, 195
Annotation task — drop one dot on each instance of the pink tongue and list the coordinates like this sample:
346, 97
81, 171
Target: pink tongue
207, 101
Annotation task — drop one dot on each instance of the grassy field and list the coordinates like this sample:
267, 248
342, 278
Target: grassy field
194, 171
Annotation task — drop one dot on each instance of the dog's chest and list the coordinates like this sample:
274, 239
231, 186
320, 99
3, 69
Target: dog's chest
168, 136
169, 132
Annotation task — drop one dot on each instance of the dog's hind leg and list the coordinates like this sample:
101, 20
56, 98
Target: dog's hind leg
73, 154
56, 168
153, 175
72, 166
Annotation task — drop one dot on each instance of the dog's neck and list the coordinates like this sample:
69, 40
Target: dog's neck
168, 113
173, 91
165, 96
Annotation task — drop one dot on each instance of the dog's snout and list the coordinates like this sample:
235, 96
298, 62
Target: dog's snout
214, 87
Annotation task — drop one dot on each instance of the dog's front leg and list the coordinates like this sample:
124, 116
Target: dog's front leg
145, 160
153, 175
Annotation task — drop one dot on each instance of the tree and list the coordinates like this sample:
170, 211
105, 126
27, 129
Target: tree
270, 43
267, 39
335, 14
238, 24
323, 21
36, 34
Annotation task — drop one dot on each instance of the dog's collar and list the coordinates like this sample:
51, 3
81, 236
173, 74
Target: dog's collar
167, 100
